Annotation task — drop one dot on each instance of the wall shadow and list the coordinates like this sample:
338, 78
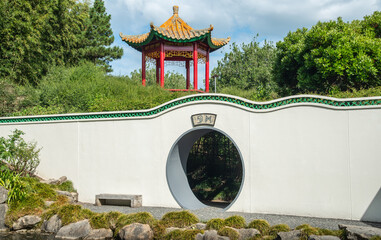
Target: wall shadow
373, 212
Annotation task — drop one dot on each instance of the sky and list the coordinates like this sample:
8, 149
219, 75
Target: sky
241, 20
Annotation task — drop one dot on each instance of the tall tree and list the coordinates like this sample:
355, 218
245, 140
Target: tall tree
99, 36
331, 56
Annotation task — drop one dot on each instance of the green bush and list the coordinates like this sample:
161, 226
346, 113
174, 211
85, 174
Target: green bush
261, 225
279, 228
229, 232
70, 213
307, 230
123, 219
215, 223
66, 186
17, 189
235, 222
179, 219
23, 157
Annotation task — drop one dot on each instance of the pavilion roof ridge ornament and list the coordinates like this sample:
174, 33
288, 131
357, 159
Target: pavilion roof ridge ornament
175, 29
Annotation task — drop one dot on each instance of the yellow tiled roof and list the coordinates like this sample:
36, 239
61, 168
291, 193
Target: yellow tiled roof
177, 30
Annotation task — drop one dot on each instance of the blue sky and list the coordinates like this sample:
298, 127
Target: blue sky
239, 19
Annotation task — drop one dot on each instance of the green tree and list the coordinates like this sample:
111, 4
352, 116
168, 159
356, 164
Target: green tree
247, 66
98, 37
332, 55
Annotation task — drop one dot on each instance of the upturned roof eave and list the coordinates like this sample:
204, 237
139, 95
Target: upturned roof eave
153, 33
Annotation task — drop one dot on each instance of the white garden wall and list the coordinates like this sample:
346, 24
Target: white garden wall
303, 155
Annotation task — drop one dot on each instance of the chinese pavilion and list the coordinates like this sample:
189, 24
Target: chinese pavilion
179, 43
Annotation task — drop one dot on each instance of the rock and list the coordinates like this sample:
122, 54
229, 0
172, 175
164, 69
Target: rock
99, 234
52, 225
199, 226
55, 181
48, 203
325, 237
210, 235
171, 229
76, 230
247, 233
292, 235
26, 222
3, 195
360, 232
3, 212
136, 231
73, 196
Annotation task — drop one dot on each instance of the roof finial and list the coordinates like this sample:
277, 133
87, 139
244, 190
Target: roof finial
175, 10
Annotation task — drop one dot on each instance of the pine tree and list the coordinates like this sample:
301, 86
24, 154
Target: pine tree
99, 36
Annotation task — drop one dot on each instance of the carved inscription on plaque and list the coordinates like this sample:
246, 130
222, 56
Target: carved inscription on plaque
208, 119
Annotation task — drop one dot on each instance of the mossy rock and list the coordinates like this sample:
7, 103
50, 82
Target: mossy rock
229, 232
274, 230
71, 213
215, 223
235, 222
141, 217
189, 234
179, 219
307, 230
261, 225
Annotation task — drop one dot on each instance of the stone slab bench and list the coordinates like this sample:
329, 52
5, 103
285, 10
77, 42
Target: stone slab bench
133, 201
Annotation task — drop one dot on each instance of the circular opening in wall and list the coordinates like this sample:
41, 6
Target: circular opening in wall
205, 168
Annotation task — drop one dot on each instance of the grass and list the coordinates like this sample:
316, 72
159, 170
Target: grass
229, 232
178, 234
235, 222
274, 230
261, 225
215, 223
179, 219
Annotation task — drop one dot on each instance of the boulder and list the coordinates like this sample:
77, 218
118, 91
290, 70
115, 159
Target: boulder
292, 235
99, 234
55, 181
73, 196
136, 231
52, 225
26, 222
76, 230
325, 237
3, 212
199, 226
248, 233
3, 195
360, 232
210, 235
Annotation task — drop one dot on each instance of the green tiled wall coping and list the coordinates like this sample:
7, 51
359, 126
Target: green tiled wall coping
299, 100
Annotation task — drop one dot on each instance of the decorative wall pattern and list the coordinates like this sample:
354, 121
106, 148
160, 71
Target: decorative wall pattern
203, 98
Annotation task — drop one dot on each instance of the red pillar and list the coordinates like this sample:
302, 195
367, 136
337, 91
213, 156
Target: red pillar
157, 71
143, 67
162, 56
195, 61
207, 71
188, 73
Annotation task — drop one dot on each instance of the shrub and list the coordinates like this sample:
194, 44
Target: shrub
179, 219
215, 223
235, 222
279, 228
337, 233
261, 225
30, 205
98, 221
229, 232
23, 157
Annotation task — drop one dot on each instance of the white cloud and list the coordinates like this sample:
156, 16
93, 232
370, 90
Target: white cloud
239, 19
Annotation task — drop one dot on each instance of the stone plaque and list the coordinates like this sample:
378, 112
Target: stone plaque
208, 119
